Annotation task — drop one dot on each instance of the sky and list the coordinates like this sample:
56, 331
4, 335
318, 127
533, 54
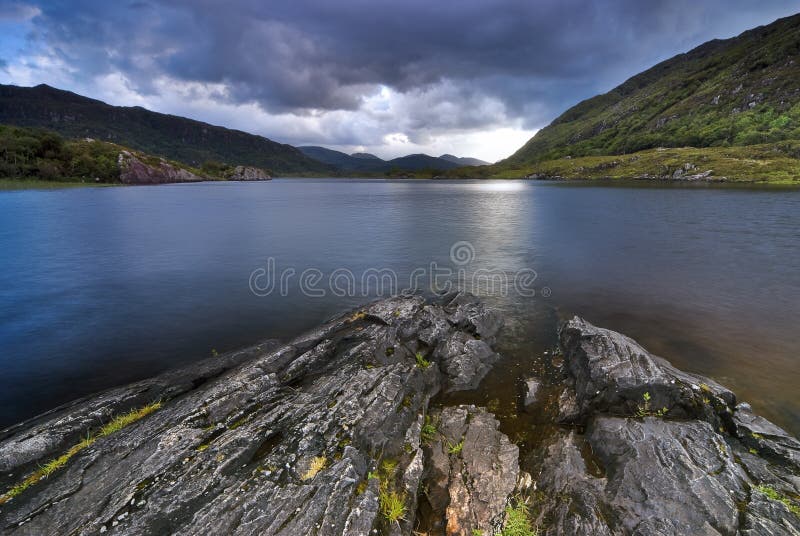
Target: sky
468, 77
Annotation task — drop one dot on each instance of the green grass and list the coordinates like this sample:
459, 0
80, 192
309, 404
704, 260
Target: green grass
775, 495
518, 521
776, 163
455, 448
421, 361
33, 184
392, 504
116, 424
429, 430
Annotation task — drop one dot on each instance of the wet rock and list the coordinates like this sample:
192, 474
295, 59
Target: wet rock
612, 373
704, 466
277, 439
531, 388
471, 471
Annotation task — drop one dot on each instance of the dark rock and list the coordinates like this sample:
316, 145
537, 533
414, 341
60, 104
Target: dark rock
471, 470
612, 373
270, 440
705, 466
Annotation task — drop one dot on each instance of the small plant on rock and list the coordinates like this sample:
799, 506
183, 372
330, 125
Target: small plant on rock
455, 448
421, 361
643, 410
317, 464
429, 431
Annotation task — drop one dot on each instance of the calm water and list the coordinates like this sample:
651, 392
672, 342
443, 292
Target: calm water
99, 287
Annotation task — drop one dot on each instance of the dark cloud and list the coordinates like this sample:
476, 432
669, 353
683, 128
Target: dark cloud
533, 58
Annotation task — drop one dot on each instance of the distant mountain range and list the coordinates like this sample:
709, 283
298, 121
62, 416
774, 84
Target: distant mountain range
191, 142
369, 163
177, 138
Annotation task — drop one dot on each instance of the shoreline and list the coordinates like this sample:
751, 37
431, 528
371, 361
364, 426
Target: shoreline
345, 425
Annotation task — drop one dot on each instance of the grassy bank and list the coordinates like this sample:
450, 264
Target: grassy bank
34, 184
773, 163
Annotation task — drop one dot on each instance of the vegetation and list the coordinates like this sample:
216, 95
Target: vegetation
777, 163
37, 157
517, 521
392, 503
116, 424
739, 91
177, 138
643, 410
317, 464
421, 361
732, 106
429, 430
455, 448
39, 154
775, 495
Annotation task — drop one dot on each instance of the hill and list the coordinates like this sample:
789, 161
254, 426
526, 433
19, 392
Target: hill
464, 160
367, 163
177, 138
736, 92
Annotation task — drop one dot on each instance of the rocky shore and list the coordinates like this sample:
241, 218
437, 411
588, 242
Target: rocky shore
338, 432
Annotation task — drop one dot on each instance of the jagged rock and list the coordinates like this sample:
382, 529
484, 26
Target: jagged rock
471, 471
612, 373
248, 173
132, 170
716, 469
272, 440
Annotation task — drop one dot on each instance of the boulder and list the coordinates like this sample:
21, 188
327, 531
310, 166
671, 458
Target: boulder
280, 439
703, 465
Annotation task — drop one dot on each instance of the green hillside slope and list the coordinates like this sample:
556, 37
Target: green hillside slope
736, 92
185, 140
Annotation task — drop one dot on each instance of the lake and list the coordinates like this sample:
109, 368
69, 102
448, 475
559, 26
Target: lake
102, 286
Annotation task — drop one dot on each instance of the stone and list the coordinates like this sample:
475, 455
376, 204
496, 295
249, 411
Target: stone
248, 173
275, 439
472, 470
133, 170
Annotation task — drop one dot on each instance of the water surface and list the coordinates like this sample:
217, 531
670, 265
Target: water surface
102, 286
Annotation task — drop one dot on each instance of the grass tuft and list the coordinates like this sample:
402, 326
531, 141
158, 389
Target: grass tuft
317, 464
392, 503
421, 361
55, 464
517, 521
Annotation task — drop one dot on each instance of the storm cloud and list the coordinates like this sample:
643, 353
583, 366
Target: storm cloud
420, 69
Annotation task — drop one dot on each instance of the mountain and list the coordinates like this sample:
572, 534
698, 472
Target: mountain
464, 161
367, 163
733, 93
343, 161
417, 162
177, 138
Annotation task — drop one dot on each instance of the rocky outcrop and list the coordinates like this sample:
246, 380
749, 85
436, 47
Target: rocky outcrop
248, 173
134, 170
323, 435
665, 452
338, 433
470, 471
